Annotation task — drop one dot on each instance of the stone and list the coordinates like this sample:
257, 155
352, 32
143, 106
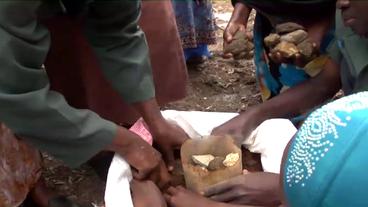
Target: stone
295, 37
286, 49
288, 27
272, 40
306, 49
202, 160
239, 44
216, 164
231, 159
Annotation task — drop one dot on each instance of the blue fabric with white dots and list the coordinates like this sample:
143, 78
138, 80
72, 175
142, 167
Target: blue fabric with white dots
327, 162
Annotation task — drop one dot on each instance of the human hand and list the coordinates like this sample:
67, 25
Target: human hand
248, 189
169, 137
239, 127
146, 193
146, 162
316, 32
231, 29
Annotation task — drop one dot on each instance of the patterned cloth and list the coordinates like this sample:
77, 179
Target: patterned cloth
327, 161
274, 78
20, 168
196, 23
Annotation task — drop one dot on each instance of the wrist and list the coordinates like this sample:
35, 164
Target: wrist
240, 14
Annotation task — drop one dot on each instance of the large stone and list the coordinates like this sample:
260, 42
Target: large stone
239, 44
231, 159
203, 160
288, 27
306, 49
272, 40
286, 49
295, 37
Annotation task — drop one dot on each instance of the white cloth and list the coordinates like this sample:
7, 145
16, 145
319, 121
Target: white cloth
269, 139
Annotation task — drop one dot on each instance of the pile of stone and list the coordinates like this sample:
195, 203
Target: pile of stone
289, 40
214, 163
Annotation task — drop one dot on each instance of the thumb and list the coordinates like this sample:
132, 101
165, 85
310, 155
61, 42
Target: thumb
229, 37
139, 174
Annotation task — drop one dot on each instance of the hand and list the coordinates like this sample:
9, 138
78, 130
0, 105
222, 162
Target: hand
239, 127
250, 189
145, 161
297, 59
166, 136
146, 193
169, 137
316, 32
231, 29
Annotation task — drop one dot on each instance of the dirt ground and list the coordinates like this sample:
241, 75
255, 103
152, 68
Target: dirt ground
217, 85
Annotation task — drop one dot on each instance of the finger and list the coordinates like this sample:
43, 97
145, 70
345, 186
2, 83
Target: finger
315, 48
167, 198
225, 196
169, 159
227, 55
229, 38
172, 191
218, 188
298, 60
278, 57
139, 175
165, 177
245, 171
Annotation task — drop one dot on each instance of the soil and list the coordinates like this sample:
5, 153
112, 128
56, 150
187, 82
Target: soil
222, 85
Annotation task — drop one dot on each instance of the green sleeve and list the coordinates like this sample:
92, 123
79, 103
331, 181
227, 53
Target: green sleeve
121, 47
27, 106
333, 51
361, 83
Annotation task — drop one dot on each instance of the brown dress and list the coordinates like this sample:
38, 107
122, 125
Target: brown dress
20, 168
73, 69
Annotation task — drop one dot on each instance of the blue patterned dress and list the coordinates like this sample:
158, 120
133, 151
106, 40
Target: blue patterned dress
196, 26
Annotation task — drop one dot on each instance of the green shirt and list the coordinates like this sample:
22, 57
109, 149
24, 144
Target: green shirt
351, 52
42, 116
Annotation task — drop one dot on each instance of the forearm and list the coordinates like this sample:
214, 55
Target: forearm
241, 13
150, 111
27, 106
303, 97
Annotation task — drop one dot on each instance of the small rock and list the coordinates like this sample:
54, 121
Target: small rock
306, 49
272, 40
295, 37
231, 159
216, 164
202, 160
286, 49
288, 27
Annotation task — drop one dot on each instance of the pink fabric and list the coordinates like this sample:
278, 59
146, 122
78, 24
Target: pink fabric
140, 129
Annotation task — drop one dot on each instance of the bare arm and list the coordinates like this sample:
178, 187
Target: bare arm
238, 21
291, 103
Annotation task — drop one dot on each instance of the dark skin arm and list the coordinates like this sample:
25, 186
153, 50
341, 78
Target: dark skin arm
238, 22
292, 102
146, 162
167, 136
261, 189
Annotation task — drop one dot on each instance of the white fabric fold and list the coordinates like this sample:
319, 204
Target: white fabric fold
269, 139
